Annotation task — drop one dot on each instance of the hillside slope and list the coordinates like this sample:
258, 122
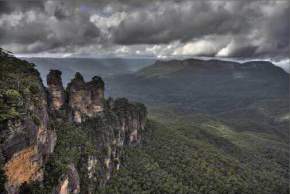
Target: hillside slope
194, 159
256, 93
235, 117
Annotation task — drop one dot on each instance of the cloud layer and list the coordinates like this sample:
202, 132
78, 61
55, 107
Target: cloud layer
247, 28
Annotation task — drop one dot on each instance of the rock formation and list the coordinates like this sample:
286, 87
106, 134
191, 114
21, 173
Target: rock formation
131, 119
85, 99
70, 182
111, 123
26, 139
33, 119
55, 90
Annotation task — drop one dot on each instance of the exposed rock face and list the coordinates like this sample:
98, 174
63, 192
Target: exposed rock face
55, 89
131, 119
120, 124
85, 99
26, 140
30, 116
111, 124
24, 166
70, 182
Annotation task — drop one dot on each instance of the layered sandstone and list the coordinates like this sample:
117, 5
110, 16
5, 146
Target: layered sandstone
26, 139
111, 123
32, 114
131, 118
85, 98
55, 90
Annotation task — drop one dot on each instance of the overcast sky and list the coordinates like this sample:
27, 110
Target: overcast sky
216, 28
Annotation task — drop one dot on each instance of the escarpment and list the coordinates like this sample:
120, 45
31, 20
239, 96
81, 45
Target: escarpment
26, 138
60, 140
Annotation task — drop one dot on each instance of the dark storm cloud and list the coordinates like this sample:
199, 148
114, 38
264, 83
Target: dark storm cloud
4, 8
219, 28
194, 20
36, 26
20, 5
178, 22
247, 51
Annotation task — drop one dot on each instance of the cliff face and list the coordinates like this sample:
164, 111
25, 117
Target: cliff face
131, 119
26, 140
68, 140
109, 124
85, 99
55, 90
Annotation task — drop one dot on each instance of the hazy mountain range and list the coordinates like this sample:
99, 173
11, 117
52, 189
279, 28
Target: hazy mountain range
255, 91
105, 67
88, 67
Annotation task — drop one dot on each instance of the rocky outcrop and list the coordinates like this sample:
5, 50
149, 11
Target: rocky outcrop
31, 116
26, 140
110, 124
70, 182
131, 119
85, 99
55, 90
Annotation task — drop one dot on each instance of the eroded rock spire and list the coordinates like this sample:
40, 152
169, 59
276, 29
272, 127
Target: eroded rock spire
55, 90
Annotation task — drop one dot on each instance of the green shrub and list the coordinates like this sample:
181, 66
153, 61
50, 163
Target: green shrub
12, 96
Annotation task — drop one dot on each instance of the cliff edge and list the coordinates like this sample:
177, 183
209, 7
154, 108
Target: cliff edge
60, 140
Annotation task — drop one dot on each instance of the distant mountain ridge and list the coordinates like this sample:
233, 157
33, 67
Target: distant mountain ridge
196, 72
210, 86
105, 67
240, 110
88, 67
198, 64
